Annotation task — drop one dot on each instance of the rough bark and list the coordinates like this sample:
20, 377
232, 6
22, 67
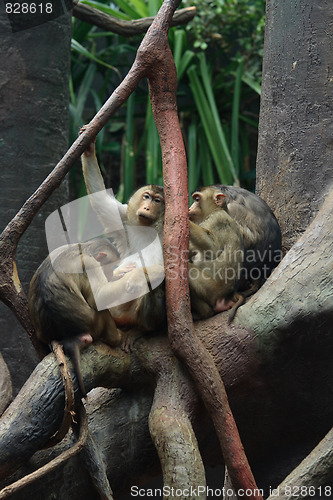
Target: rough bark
34, 111
311, 475
294, 163
6, 390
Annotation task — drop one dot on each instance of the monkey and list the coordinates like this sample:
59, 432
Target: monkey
145, 210
259, 228
64, 293
142, 220
257, 225
216, 253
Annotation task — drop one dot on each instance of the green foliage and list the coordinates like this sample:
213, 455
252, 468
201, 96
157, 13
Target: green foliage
218, 92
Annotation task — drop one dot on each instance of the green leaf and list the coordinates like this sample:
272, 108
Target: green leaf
192, 164
153, 7
179, 38
138, 10
207, 170
216, 122
108, 10
235, 116
84, 52
84, 89
184, 63
249, 80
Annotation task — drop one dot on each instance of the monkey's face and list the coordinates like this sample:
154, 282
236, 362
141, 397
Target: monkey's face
204, 203
195, 210
146, 207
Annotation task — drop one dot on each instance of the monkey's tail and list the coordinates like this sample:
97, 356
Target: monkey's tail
74, 353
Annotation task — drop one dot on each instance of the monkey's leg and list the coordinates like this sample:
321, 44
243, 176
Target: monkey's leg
253, 288
110, 333
240, 300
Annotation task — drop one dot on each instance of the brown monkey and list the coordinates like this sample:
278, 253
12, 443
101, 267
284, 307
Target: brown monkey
215, 255
211, 279
145, 210
257, 225
259, 228
64, 293
141, 222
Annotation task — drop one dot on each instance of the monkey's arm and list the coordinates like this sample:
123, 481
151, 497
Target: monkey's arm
203, 284
131, 286
105, 205
201, 239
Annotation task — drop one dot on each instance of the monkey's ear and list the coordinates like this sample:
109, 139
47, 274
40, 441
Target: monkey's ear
219, 199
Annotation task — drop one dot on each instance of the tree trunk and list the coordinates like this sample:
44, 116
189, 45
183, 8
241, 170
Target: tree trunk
6, 390
34, 123
294, 163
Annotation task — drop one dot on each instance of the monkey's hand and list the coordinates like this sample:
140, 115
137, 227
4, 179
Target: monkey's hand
121, 271
128, 339
135, 283
91, 148
154, 274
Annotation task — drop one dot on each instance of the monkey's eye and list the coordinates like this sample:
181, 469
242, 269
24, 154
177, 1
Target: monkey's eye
157, 200
196, 198
146, 196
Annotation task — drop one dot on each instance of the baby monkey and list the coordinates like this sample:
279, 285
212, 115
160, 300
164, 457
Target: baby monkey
62, 297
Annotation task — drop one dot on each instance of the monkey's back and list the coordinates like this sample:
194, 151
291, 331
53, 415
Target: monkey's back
58, 302
258, 225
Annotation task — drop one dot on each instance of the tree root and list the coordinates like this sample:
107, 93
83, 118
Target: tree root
56, 462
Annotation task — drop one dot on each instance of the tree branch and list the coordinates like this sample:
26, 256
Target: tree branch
126, 28
314, 471
163, 87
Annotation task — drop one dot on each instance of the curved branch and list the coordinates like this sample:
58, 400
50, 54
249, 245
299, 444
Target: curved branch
162, 86
314, 471
126, 28
173, 435
55, 463
36, 413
